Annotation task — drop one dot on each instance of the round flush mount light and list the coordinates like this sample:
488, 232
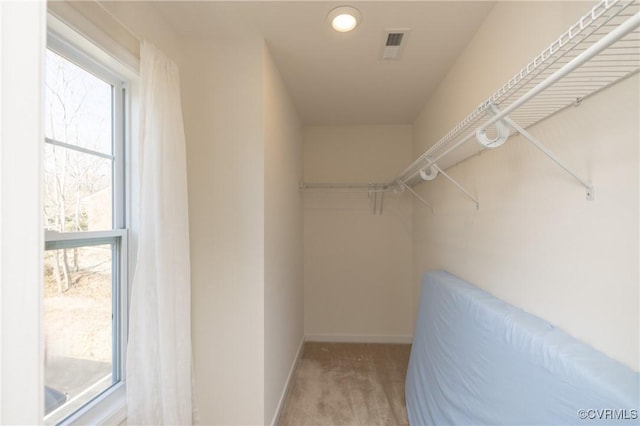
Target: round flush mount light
344, 18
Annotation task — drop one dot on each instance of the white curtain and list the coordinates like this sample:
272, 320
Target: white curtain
159, 369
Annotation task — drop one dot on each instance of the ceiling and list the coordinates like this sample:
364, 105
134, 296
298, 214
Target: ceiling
340, 78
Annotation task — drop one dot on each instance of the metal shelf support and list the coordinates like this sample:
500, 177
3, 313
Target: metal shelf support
457, 185
546, 151
425, 202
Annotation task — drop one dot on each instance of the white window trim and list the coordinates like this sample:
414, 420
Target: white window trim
110, 406
118, 52
22, 34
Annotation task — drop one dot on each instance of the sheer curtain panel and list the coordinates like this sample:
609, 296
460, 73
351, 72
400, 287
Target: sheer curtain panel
159, 366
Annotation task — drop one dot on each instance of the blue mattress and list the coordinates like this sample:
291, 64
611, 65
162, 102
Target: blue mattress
477, 360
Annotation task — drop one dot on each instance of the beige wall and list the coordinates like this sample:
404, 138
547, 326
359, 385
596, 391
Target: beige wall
535, 241
223, 113
283, 286
357, 266
244, 156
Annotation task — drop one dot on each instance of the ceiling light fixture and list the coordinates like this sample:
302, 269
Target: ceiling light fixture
344, 18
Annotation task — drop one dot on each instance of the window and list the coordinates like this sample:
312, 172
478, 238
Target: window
85, 279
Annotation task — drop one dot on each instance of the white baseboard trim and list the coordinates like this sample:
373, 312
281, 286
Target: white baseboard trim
367, 338
287, 386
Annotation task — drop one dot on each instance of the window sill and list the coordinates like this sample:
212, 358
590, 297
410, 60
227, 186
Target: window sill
110, 408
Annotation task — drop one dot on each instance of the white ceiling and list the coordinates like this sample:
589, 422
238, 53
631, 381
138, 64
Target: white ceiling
340, 78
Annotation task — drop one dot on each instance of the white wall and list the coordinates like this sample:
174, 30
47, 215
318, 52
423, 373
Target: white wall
222, 85
535, 241
283, 285
357, 266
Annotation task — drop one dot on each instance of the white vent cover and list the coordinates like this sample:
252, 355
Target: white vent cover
393, 43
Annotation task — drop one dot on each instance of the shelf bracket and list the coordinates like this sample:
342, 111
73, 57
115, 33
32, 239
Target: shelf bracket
535, 142
377, 201
433, 172
404, 185
460, 187
501, 129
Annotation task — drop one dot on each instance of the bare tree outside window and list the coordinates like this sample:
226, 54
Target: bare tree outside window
78, 107
78, 198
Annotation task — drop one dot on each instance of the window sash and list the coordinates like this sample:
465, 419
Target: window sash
68, 51
118, 239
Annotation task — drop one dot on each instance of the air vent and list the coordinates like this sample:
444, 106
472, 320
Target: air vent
394, 41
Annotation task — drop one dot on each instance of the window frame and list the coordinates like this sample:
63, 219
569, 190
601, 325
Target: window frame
110, 405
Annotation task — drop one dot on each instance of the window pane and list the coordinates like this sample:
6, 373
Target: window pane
79, 339
78, 105
78, 190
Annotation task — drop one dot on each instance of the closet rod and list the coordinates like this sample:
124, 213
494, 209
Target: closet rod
370, 186
622, 30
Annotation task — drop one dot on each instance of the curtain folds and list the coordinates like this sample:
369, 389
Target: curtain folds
159, 359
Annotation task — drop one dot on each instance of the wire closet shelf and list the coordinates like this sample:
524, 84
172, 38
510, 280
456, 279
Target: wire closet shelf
602, 48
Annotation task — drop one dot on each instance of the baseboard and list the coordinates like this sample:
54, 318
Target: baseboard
287, 386
366, 338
